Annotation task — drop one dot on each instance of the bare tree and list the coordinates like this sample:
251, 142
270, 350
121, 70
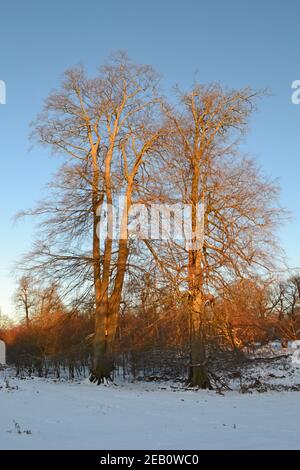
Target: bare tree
5, 321
285, 297
106, 128
292, 295
203, 165
25, 297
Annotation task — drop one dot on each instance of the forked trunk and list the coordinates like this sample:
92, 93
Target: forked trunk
104, 341
107, 321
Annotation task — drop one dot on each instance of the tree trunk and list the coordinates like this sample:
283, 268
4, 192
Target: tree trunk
27, 315
107, 319
198, 376
102, 364
103, 360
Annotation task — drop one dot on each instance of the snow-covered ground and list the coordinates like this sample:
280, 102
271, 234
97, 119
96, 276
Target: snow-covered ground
44, 414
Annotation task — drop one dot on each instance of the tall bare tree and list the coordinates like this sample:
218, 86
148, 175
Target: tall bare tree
203, 165
106, 128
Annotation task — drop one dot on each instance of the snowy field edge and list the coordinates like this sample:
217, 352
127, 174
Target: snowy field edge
46, 414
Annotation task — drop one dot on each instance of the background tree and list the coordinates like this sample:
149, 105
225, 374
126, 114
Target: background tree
25, 297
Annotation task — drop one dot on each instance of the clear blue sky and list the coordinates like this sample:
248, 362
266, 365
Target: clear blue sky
234, 42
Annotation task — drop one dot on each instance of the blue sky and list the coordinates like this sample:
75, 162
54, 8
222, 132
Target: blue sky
236, 43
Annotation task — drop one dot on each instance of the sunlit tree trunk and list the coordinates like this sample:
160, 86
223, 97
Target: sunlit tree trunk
198, 376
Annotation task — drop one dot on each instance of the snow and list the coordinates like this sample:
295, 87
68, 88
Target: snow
295, 358
294, 344
47, 414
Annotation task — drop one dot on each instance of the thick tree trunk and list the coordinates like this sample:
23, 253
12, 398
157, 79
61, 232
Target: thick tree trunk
104, 354
107, 320
198, 376
102, 364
